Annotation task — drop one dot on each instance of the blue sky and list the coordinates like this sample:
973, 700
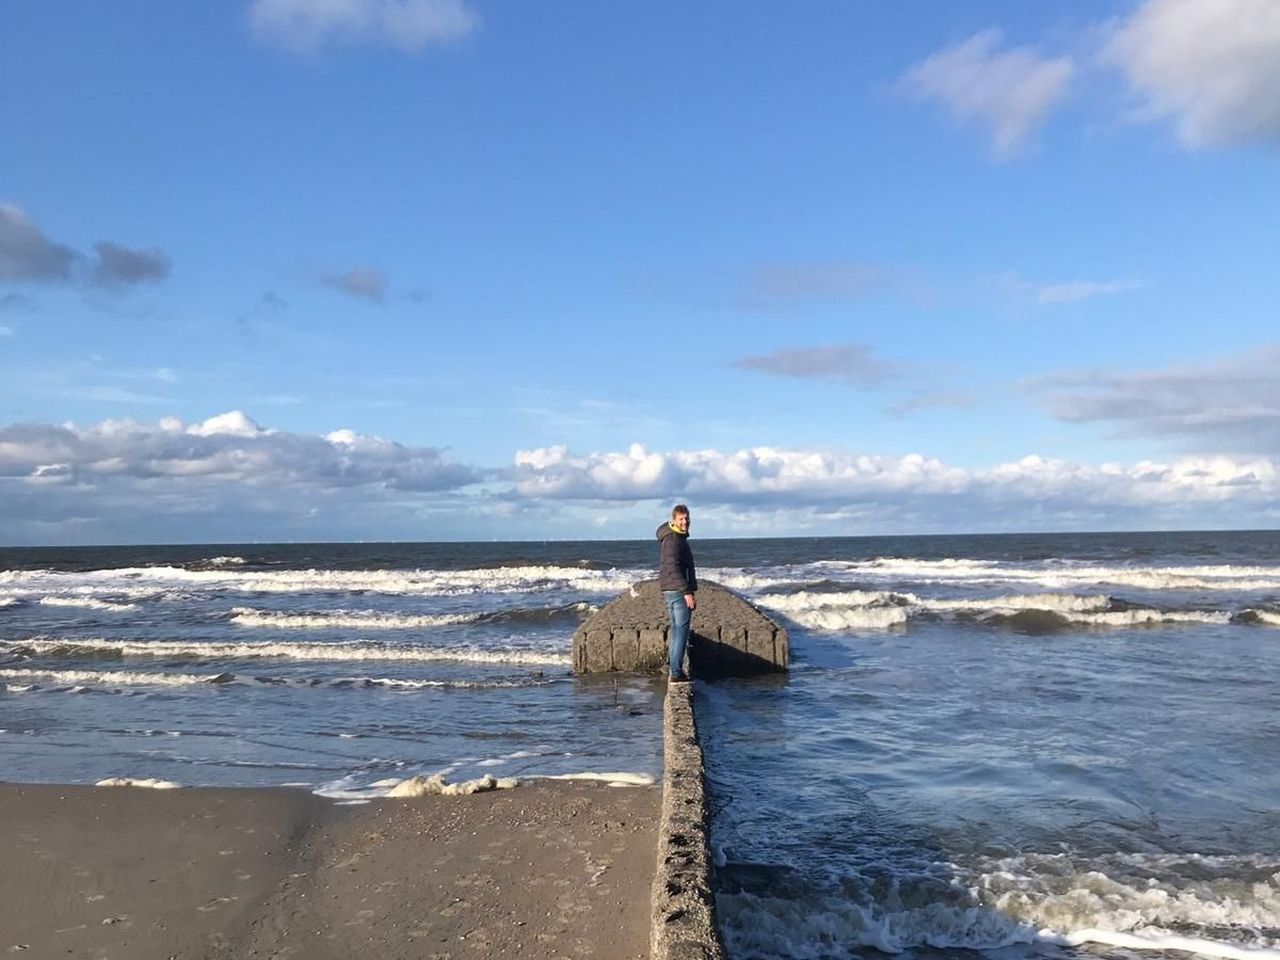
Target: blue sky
449, 269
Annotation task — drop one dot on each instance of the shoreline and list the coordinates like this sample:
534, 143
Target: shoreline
552, 868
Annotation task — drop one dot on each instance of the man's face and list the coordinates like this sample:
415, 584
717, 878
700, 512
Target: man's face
680, 522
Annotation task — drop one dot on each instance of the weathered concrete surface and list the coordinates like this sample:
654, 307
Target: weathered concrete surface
684, 916
729, 636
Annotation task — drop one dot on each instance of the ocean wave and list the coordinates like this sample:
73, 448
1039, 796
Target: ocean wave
88, 603
1214, 906
114, 677
121, 678
805, 600
1039, 612
1135, 618
1056, 602
349, 650
1270, 618
358, 619
850, 618
423, 582
1050, 575
1154, 897
377, 620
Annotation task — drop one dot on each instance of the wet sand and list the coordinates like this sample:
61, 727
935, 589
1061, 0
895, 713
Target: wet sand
549, 869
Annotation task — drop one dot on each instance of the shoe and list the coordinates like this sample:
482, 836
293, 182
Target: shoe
680, 677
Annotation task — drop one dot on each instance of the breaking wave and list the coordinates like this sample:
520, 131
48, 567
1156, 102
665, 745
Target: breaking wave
1214, 906
88, 603
351, 650
359, 619
1268, 617
377, 620
125, 678
879, 609
521, 579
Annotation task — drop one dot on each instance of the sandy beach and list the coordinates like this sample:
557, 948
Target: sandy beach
549, 869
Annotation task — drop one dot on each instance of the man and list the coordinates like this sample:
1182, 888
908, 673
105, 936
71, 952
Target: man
678, 582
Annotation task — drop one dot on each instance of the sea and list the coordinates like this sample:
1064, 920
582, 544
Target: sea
986, 747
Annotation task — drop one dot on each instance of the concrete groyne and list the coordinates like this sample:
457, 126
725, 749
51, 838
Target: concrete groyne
684, 916
729, 636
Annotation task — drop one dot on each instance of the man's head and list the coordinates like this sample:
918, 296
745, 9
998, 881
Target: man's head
680, 518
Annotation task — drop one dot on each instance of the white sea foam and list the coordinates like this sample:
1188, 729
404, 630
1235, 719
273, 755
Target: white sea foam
225, 561
147, 783
435, 785
851, 618
1270, 617
805, 600
523, 579
1134, 618
1026, 899
358, 619
87, 602
119, 678
1116, 898
8, 601
1055, 602
109, 677
1166, 941
1049, 575
347, 650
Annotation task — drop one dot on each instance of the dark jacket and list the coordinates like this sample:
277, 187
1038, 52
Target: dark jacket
675, 561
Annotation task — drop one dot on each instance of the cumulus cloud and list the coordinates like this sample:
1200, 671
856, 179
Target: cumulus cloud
1213, 68
1010, 92
851, 363
306, 26
27, 254
367, 283
230, 448
118, 265
930, 492
227, 478
1233, 403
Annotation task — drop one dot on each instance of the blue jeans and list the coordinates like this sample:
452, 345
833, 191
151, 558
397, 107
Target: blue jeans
680, 617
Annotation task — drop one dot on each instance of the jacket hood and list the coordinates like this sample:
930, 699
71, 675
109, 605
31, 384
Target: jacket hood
665, 531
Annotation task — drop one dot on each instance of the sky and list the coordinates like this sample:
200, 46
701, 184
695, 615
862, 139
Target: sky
316, 270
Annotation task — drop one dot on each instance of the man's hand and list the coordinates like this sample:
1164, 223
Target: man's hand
691, 601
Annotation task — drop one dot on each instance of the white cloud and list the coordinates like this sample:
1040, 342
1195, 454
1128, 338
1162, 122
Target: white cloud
781, 477
1010, 91
1210, 66
6, 331
306, 26
228, 449
230, 478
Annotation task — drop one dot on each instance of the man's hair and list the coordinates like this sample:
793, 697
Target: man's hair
679, 510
